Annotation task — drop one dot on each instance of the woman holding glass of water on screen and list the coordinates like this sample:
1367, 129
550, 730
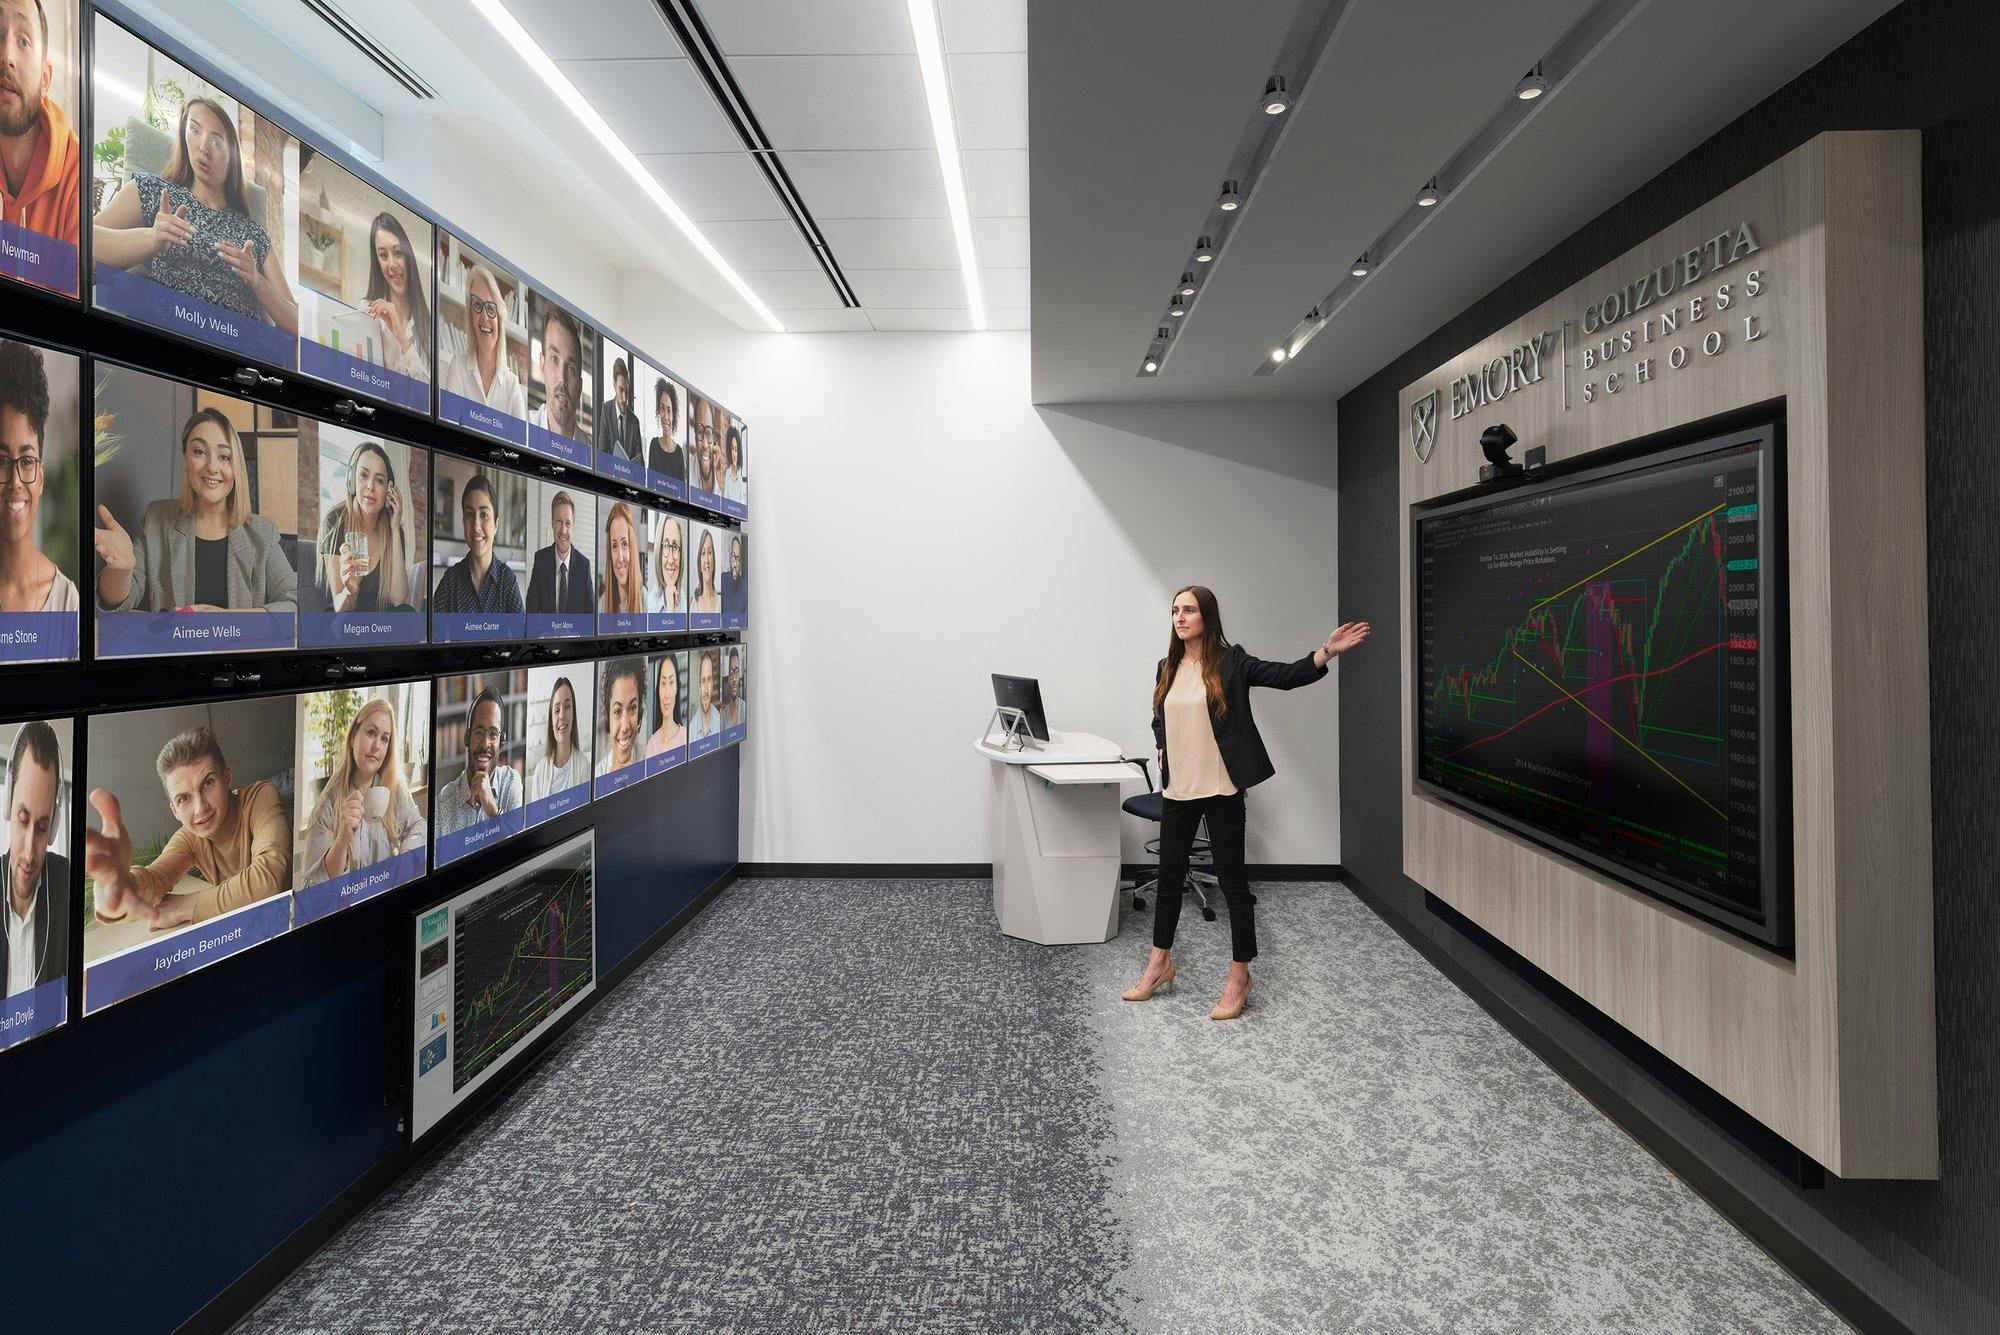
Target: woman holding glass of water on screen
364, 563
365, 814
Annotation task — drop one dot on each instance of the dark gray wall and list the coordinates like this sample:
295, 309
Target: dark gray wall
1927, 1253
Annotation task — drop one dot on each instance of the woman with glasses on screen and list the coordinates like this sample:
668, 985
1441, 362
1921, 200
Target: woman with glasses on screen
624, 578
479, 370
203, 551
191, 230
663, 452
396, 299
564, 763
365, 814
669, 730
29, 580
671, 595
364, 563
707, 597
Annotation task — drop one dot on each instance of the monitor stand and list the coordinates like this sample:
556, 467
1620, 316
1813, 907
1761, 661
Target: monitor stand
1014, 733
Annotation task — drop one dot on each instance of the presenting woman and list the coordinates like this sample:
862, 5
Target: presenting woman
663, 452
364, 563
29, 580
624, 708
396, 299
708, 695
202, 552
365, 814
479, 370
707, 597
669, 732
1210, 752
191, 229
671, 595
564, 764
623, 577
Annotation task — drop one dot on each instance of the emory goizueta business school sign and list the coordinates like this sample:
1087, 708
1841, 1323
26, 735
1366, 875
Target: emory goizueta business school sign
1623, 357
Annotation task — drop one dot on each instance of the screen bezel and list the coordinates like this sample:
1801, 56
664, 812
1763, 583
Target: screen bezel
1771, 927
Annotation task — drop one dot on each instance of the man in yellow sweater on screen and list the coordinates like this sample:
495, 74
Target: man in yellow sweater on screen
239, 841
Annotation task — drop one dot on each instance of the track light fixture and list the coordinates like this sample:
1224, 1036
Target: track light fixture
1429, 195
1178, 306
1204, 250
1362, 268
1231, 199
1187, 285
1151, 367
1277, 354
1276, 100
1532, 85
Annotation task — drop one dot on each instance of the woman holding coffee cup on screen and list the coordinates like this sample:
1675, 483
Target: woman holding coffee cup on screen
365, 814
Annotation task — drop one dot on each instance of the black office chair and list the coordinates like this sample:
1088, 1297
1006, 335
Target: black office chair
1151, 805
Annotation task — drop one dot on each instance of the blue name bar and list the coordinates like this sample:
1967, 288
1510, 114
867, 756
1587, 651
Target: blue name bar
37, 637
35, 1011
317, 901
557, 446
704, 621
732, 735
451, 847
470, 413
560, 625
621, 623
667, 484
44, 261
666, 760
625, 777
556, 803
702, 746
338, 628
154, 303
147, 966
620, 469
668, 623
342, 368
124, 634
451, 627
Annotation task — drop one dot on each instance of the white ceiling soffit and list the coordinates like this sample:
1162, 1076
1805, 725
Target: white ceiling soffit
1405, 83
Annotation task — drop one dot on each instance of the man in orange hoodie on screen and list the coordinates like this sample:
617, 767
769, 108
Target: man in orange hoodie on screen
40, 181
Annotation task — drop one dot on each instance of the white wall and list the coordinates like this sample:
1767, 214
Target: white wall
917, 524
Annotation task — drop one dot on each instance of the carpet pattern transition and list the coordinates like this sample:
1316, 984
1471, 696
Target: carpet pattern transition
842, 1105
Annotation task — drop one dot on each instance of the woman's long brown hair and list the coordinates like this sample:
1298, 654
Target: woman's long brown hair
180, 168
1212, 645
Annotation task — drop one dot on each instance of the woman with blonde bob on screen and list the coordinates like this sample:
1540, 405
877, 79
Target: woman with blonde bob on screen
396, 299
1210, 752
564, 764
365, 814
624, 581
364, 563
671, 595
707, 597
202, 552
479, 370
191, 229
669, 730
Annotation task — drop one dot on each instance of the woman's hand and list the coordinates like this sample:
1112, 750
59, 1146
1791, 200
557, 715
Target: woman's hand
350, 572
395, 502
170, 228
350, 817
113, 543
243, 260
1345, 636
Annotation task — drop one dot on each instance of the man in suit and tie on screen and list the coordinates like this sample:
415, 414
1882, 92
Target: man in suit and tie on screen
561, 580
37, 913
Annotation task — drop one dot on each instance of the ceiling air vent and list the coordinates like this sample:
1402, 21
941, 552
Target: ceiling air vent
368, 47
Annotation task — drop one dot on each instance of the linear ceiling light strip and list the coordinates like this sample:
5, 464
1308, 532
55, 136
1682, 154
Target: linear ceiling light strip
1580, 43
558, 83
706, 56
937, 94
1300, 55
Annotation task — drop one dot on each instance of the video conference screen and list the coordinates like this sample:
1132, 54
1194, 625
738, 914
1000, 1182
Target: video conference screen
626, 414
708, 707
623, 601
561, 729
479, 551
623, 709
482, 343
361, 825
668, 712
494, 968
667, 585
1594, 665
480, 745
561, 540
43, 171
562, 391
363, 538
718, 578
40, 760
40, 424
664, 401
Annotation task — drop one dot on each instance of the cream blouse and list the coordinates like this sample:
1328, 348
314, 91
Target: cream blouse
1194, 768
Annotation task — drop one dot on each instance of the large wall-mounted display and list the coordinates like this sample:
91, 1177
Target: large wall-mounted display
363, 538
479, 551
666, 582
195, 200
480, 749
562, 713
561, 583
718, 578
667, 742
562, 398
188, 853
705, 725
622, 600
40, 425
493, 968
363, 795
41, 162
1594, 656
622, 712
36, 866
482, 343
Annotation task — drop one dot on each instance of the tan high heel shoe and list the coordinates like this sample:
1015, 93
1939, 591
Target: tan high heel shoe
1166, 980
1220, 1014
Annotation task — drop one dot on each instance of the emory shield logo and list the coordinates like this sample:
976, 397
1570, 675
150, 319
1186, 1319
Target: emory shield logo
1424, 426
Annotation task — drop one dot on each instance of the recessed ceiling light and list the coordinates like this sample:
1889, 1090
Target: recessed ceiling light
1204, 251
1429, 195
1362, 268
1231, 199
937, 93
1187, 284
1532, 85
1277, 354
1276, 100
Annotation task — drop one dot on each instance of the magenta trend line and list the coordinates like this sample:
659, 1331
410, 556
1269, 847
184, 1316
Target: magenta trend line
1481, 741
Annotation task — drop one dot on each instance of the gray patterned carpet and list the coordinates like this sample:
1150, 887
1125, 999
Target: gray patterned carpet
833, 1106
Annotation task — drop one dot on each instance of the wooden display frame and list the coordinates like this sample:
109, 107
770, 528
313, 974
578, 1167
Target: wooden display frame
1834, 1049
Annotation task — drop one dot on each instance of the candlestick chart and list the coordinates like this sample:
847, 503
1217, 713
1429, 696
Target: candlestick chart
520, 953
1589, 669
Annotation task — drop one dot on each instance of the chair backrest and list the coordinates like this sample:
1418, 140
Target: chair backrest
149, 150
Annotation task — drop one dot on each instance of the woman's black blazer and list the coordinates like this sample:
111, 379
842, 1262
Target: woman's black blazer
1236, 736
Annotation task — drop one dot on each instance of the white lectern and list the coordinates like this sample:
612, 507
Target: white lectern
1055, 838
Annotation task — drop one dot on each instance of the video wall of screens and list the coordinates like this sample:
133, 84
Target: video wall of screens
40, 759
40, 426
495, 967
483, 345
41, 181
562, 398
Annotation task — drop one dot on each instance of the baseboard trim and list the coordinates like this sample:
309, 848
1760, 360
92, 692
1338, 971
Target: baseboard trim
1847, 1299
982, 871
262, 1279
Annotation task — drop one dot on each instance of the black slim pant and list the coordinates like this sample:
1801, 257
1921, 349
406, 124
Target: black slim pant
1225, 839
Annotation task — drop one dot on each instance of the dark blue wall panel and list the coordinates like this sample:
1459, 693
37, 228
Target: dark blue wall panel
154, 1153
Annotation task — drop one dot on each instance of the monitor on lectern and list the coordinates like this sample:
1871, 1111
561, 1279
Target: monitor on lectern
1024, 694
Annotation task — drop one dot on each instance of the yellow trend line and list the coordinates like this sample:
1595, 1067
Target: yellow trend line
1623, 559
1619, 735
